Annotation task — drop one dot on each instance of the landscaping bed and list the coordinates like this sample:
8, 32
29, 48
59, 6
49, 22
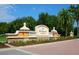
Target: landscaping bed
39, 41
3, 46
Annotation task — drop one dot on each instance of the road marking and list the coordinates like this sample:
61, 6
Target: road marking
18, 49
27, 52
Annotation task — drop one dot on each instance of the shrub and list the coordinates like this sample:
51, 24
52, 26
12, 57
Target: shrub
38, 41
2, 39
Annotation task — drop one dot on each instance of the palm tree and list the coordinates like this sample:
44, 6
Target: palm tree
42, 18
65, 20
74, 9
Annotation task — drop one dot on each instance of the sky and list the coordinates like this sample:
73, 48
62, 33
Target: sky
9, 12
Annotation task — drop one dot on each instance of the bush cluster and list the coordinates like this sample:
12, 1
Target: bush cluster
39, 41
3, 39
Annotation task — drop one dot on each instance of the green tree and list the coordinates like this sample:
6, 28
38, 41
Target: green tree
74, 9
16, 24
31, 22
42, 18
3, 27
52, 21
65, 21
48, 20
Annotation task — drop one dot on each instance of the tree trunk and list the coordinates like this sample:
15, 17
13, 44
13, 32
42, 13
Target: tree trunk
77, 28
66, 31
65, 27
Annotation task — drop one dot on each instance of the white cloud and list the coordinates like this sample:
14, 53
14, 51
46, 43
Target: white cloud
5, 13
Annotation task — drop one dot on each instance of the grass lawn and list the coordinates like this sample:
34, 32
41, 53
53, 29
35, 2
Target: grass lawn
3, 41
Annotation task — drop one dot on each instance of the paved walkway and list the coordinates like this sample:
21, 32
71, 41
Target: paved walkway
69, 47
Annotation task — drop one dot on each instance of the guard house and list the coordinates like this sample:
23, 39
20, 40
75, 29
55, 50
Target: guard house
24, 33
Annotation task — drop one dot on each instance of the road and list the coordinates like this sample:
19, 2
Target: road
69, 47
12, 52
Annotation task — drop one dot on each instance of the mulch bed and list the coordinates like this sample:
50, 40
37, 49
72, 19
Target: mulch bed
3, 46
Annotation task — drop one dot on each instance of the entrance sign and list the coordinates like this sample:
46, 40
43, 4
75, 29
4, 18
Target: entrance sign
42, 30
24, 33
